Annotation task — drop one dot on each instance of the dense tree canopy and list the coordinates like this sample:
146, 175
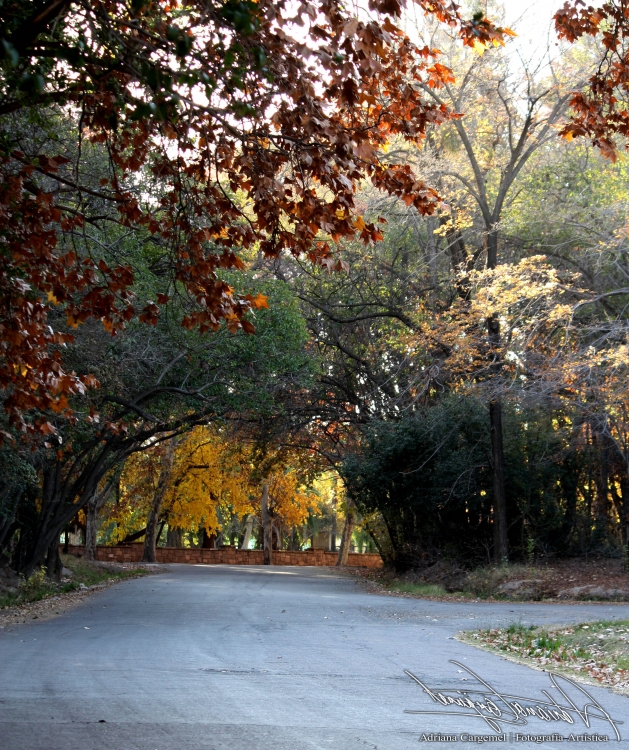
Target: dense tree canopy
245, 244
218, 129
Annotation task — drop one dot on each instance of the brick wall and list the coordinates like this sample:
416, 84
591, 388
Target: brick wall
227, 556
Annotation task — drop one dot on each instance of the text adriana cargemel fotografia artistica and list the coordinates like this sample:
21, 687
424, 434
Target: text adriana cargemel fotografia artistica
480, 739
575, 714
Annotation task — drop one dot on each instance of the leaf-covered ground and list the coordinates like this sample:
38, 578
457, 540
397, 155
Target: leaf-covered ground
596, 652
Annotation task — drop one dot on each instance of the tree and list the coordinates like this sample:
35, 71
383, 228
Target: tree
496, 148
427, 477
599, 113
480, 163
210, 481
203, 480
92, 509
599, 110
243, 141
346, 537
163, 481
159, 382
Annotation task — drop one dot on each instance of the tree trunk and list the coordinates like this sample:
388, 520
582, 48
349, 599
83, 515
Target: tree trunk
62, 496
91, 516
267, 525
333, 534
601, 480
173, 538
501, 540
93, 508
166, 468
277, 538
246, 540
346, 537
208, 541
54, 565
159, 533
7, 529
431, 248
492, 247
624, 519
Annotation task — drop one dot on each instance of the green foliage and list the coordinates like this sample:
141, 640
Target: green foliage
38, 586
33, 586
429, 476
418, 589
16, 477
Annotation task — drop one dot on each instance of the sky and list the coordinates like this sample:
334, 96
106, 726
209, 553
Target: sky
532, 21
531, 18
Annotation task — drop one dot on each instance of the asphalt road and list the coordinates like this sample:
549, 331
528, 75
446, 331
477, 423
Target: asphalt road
246, 658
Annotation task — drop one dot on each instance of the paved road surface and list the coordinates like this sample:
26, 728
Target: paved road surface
242, 658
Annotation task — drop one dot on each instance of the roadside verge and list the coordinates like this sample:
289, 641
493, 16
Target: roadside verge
40, 599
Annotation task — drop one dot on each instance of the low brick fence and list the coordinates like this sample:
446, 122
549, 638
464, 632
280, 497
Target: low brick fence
227, 556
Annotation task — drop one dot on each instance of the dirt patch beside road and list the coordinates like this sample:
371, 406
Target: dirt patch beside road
563, 580
84, 580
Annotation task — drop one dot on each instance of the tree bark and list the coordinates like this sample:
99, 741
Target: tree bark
208, 541
160, 532
277, 538
431, 248
267, 525
166, 468
63, 494
91, 515
501, 540
492, 247
173, 538
601, 480
7, 529
624, 496
54, 566
93, 508
133, 537
246, 540
346, 538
